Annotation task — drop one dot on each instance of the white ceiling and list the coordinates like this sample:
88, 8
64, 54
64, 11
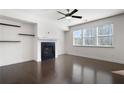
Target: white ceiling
87, 14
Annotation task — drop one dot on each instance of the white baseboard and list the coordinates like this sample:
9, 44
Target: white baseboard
98, 58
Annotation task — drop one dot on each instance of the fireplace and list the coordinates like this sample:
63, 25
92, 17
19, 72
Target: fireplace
47, 50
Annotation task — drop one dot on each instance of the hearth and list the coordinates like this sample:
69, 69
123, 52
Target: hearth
47, 50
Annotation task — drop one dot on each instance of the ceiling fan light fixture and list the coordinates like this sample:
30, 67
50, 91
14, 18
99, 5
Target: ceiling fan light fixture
68, 17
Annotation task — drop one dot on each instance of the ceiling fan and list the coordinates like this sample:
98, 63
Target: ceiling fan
69, 14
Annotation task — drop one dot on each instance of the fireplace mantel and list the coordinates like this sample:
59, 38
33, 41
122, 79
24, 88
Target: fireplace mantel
47, 39
41, 39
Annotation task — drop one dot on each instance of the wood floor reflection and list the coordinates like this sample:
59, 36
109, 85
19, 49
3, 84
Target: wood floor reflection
66, 69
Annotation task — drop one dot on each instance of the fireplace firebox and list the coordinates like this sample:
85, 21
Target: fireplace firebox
47, 50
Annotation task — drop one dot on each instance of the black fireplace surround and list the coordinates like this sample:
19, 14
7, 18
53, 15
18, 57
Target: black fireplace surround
47, 50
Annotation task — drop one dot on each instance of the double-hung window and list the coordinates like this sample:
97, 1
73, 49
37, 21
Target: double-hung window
94, 36
105, 35
77, 38
89, 37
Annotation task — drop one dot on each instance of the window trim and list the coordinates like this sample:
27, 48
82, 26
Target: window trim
97, 44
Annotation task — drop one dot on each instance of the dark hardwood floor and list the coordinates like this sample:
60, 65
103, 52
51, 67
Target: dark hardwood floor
66, 69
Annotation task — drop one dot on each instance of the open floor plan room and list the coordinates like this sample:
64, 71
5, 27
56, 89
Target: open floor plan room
61, 46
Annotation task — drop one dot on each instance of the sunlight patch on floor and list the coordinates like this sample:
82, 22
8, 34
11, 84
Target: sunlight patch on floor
120, 72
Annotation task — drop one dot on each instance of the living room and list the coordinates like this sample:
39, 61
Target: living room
61, 46
37, 49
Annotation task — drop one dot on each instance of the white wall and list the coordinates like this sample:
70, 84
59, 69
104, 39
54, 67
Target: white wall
11, 53
115, 54
44, 25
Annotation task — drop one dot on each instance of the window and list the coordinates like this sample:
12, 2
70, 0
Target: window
105, 35
77, 38
94, 36
89, 37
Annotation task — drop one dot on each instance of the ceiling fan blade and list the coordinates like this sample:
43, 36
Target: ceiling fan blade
77, 17
61, 18
74, 11
61, 13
